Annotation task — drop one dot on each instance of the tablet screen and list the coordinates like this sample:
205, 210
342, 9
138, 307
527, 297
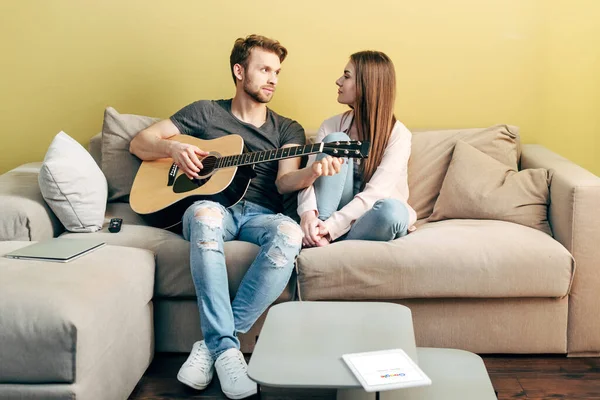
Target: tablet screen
379, 369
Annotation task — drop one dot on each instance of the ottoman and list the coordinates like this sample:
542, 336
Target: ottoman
77, 330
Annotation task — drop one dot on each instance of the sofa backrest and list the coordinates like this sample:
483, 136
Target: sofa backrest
95, 148
431, 154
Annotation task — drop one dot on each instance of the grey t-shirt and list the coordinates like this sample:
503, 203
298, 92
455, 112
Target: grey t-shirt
210, 119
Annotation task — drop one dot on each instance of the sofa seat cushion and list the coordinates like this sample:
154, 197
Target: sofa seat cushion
173, 276
452, 258
58, 321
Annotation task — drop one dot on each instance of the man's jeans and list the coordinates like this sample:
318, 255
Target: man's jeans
207, 225
386, 220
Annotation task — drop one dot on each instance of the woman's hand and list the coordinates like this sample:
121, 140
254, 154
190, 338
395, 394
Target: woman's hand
309, 223
186, 157
324, 234
314, 230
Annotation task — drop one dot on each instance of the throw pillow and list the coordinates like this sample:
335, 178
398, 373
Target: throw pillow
431, 152
118, 164
73, 185
477, 186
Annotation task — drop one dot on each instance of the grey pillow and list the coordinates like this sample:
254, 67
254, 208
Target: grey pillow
73, 185
118, 164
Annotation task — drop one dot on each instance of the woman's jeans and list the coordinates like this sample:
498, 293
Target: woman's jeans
207, 225
386, 220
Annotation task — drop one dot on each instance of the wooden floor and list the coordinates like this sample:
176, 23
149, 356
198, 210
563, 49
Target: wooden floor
544, 377
513, 377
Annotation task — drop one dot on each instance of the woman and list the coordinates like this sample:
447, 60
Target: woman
367, 199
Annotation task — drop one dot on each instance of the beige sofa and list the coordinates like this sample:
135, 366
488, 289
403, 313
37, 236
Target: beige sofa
488, 286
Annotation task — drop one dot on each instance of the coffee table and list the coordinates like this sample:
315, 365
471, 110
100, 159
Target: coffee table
301, 346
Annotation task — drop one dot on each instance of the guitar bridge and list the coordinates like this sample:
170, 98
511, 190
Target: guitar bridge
172, 174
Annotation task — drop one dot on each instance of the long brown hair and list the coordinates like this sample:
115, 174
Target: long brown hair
374, 106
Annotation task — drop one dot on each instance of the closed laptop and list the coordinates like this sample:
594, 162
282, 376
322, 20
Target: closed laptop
57, 249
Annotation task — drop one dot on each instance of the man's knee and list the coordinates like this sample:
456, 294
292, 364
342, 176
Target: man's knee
286, 244
208, 219
208, 213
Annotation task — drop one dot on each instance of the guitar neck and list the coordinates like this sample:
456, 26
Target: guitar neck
257, 157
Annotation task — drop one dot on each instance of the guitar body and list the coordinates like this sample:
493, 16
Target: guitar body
161, 193
161, 201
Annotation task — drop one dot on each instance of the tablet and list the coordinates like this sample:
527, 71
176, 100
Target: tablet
385, 370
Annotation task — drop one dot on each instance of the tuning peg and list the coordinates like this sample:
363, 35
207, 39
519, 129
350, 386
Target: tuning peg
335, 151
358, 143
356, 152
337, 143
348, 143
346, 152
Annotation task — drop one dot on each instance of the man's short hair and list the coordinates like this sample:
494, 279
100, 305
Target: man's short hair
242, 48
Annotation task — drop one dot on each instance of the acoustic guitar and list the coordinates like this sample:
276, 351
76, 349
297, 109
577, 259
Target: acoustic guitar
161, 192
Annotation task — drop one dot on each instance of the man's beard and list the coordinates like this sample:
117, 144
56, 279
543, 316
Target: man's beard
257, 95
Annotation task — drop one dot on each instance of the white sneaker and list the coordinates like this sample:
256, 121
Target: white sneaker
233, 375
198, 370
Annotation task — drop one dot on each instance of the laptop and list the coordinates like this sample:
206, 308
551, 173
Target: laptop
57, 250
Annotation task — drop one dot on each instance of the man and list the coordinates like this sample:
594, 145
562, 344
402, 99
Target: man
255, 65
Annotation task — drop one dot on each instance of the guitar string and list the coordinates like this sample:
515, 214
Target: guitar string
214, 160
211, 162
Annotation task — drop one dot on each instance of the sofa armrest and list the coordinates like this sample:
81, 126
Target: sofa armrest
574, 216
24, 215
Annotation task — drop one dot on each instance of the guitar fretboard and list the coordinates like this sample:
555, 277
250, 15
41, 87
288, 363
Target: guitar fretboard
268, 155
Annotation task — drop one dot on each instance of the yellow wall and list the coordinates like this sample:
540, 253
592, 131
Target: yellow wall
464, 63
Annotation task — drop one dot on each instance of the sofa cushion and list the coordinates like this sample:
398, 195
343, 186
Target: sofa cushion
73, 185
173, 276
24, 215
118, 164
478, 187
59, 318
95, 148
452, 258
432, 151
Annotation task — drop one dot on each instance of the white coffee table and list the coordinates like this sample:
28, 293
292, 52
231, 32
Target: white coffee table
301, 346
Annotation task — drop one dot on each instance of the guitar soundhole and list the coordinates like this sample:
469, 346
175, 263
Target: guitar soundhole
184, 184
209, 163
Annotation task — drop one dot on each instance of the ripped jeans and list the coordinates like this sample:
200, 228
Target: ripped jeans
207, 225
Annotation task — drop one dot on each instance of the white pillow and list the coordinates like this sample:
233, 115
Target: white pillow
73, 185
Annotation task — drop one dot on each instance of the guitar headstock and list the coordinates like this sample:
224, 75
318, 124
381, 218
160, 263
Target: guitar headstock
347, 148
